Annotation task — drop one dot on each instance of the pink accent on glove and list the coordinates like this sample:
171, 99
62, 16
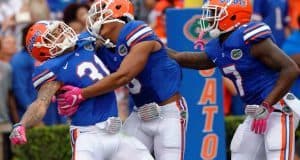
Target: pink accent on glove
18, 134
259, 125
200, 42
68, 102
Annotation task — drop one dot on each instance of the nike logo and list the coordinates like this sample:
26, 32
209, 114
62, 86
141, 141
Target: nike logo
214, 60
66, 66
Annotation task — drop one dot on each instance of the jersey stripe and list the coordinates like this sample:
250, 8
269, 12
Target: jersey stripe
42, 79
256, 31
40, 75
142, 37
258, 35
138, 34
253, 28
135, 30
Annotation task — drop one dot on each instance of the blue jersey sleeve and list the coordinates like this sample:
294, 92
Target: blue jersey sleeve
136, 32
256, 32
41, 75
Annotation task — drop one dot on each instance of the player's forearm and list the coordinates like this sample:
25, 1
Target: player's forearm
105, 85
286, 78
191, 60
35, 113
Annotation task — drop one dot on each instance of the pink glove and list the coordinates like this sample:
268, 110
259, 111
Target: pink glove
200, 42
259, 123
18, 134
68, 102
67, 110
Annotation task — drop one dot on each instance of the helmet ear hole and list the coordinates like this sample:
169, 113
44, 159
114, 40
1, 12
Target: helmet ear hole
118, 7
42, 54
233, 18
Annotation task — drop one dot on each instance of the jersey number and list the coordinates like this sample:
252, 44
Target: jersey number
238, 79
93, 73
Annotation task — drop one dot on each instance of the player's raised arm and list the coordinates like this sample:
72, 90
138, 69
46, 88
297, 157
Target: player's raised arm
194, 60
35, 113
273, 57
130, 67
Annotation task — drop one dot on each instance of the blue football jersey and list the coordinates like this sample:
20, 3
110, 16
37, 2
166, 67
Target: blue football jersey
253, 80
80, 68
275, 14
159, 80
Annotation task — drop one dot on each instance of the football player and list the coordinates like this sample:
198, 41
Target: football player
141, 62
245, 52
70, 59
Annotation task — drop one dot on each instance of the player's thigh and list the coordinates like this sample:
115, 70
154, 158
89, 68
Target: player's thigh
130, 148
86, 155
280, 136
83, 145
169, 143
133, 127
245, 144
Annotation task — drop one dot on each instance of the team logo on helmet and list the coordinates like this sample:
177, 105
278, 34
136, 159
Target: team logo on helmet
236, 54
32, 40
122, 50
191, 28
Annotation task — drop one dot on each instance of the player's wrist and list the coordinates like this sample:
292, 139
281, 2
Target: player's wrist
19, 124
267, 105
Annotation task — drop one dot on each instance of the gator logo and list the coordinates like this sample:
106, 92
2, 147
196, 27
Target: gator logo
236, 54
32, 40
183, 114
89, 47
191, 28
122, 50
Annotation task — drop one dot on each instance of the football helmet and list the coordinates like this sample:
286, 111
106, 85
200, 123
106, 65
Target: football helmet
107, 11
48, 39
221, 16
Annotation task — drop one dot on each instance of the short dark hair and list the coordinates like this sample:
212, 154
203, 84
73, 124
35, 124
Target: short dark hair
297, 146
69, 13
24, 33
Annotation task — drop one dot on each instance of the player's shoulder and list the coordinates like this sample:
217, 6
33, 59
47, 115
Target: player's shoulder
49, 70
133, 30
254, 32
86, 41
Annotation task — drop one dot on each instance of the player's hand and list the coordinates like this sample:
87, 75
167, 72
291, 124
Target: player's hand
70, 95
200, 42
261, 114
18, 134
68, 101
67, 110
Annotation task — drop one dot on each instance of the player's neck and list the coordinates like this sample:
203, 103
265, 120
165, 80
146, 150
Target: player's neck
116, 32
224, 36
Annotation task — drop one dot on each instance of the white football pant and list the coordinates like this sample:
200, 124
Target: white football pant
276, 144
164, 135
92, 143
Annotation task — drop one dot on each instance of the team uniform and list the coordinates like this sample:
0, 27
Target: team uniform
275, 14
254, 81
89, 137
159, 80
